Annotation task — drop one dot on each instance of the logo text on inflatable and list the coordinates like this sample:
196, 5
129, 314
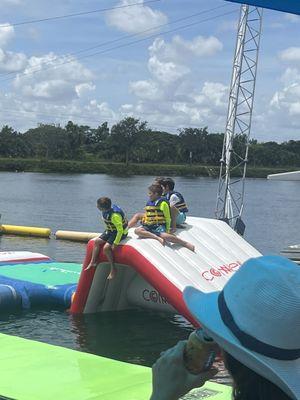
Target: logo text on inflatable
153, 296
222, 270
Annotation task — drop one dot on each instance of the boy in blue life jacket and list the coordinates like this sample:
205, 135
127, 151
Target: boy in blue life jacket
177, 203
157, 220
116, 230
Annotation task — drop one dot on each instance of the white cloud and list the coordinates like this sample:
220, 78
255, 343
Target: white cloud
287, 99
292, 17
166, 72
213, 94
295, 109
168, 62
179, 49
170, 97
54, 89
83, 88
12, 62
290, 76
7, 32
55, 80
101, 110
208, 107
284, 108
290, 54
126, 107
136, 18
146, 90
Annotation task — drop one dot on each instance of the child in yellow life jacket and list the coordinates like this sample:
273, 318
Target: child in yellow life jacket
116, 230
157, 220
139, 216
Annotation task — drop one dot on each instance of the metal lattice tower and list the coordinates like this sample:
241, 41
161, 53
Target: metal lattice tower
230, 198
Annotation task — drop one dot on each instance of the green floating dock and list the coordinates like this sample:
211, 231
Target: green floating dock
32, 370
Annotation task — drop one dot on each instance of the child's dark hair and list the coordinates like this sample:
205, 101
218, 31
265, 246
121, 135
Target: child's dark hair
104, 202
159, 180
168, 182
156, 189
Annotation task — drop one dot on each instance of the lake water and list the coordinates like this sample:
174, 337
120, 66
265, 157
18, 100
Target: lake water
67, 202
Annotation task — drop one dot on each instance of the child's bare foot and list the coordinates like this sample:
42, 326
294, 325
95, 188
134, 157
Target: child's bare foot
112, 274
173, 230
190, 246
91, 264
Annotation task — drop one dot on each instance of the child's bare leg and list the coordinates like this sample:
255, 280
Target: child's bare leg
107, 248
93, 263
135, 219
175, 239
141, 232
174, 213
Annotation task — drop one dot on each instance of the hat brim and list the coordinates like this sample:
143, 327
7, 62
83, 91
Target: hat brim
204, 307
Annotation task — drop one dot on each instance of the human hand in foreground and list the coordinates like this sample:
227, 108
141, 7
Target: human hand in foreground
170, 378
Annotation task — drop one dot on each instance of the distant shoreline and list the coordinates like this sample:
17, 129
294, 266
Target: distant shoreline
113, 168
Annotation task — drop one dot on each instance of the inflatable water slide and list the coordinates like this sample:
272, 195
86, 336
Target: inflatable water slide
153, 276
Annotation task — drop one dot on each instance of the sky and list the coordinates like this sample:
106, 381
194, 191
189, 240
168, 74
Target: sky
168, 62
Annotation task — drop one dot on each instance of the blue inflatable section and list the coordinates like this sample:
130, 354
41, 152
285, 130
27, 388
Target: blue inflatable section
9, 297
289, 6
25, 285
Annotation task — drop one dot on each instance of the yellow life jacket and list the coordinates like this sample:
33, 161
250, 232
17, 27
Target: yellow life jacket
154, 215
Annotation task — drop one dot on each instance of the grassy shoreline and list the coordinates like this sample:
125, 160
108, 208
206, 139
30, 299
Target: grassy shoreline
114, 168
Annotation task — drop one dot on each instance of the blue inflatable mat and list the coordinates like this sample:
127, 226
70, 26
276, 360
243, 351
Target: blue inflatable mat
47, 283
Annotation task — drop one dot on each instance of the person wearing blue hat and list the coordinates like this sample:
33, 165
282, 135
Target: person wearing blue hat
255, 320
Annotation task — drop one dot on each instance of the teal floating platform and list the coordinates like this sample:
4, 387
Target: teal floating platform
40, 283
32, 370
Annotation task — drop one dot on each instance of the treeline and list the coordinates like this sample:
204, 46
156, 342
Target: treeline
132, 141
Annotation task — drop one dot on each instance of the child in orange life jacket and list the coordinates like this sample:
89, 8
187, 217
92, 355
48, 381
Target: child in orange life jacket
156, 222
139, 216
177, 203
116, 230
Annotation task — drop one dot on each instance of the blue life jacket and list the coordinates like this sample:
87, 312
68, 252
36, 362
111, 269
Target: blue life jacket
181, 204
108, 214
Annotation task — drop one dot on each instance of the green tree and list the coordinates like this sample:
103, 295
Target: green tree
124, 136
194, 144
75, 138
12, 143
96, 140
47, 141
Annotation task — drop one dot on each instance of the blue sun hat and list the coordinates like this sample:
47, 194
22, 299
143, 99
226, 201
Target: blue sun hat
256, 319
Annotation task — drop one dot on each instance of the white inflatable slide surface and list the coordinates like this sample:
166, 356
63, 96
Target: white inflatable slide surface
154, 276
